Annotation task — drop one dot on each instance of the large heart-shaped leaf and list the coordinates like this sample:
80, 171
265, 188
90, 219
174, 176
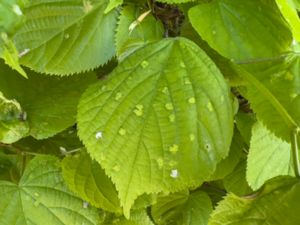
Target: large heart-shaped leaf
242, 29
160, 122
277, 204
42, 198
66, 37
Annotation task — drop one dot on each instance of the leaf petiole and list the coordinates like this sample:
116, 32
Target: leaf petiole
295, 151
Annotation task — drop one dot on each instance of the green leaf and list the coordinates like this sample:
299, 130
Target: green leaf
11, 15
242, 29
274, 94
289, 12
112, 4
182, 208
12, 125
66, 37
244, 123
87, 179
145, 31
61, 144
268, 157
11, 55
49, 102
166, 111
277, 204
236, 181
227, 165
42, 198
138, 217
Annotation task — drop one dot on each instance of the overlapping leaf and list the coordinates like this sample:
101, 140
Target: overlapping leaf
274, 94
12, 125
268, 157
132, 33
242, 29
182, 208
86, 178
42, 198
66, 37
276, 204
166, 112
50, 103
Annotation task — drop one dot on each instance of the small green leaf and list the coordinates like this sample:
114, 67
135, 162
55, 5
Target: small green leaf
268, 157
50, 103
182, 208
42, 198
66, 37
112, 4
226, 166
138, 217
236, 181
289, 12
276, 204
87, 179
145, 31
274, 93
242, 29
12, 124
166, 111
10, 55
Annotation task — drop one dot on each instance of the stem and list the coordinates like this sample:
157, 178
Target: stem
295, 151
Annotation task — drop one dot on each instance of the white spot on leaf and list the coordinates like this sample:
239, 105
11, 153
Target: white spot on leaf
17, 10
174, 173
99, 135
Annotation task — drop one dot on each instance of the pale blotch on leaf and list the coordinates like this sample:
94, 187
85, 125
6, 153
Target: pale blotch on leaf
187, 81
144, 64
173, 149
172, 118
165, 90
214, 32
209, 107
85, 204
63, 150
293, 95
103, 88
118, 96
289, 76
294, 42
24, 52
174, 173
222, 98
160, 162
87, 6
67, 36
36, 194
192, 137
169, 106
99, 135
138, 111
116, 168
182, 65
17, 10
192, 100
122, 132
